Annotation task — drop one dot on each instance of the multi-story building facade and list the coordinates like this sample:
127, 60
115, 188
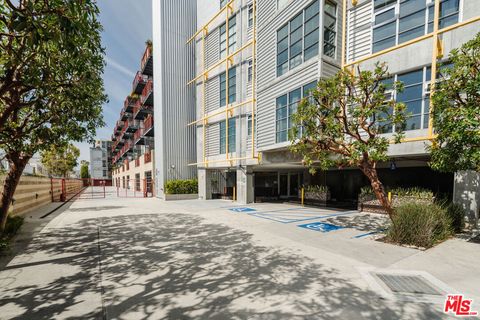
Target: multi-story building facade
101, 160
133, 137
255, 60
175, 142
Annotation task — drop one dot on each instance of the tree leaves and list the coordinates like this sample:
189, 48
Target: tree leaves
456, 111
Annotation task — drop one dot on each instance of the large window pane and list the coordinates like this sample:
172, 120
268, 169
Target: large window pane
385, 16
386, 31
410, 6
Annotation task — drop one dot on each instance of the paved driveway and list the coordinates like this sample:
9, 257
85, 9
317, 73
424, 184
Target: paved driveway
147, 259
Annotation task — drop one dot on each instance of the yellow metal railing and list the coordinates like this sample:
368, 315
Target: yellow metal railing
227, 10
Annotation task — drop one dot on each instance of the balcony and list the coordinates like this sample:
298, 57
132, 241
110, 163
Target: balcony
147, 94
131, 126
147, 157
139, 137
128, 104
148, 126
139, 82
140, 111
147, 61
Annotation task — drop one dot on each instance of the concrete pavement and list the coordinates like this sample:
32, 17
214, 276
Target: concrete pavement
147, 259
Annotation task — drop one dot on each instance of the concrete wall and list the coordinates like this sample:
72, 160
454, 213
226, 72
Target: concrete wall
467, 193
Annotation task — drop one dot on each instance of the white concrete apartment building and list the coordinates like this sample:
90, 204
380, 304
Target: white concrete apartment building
100, 160
256, 59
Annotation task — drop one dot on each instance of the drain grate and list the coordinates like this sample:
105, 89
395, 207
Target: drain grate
409, 284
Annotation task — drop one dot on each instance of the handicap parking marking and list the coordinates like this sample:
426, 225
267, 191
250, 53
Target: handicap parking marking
285, 218
242, 209
321, 227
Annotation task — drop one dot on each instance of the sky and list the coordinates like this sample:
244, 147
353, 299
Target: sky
127, 26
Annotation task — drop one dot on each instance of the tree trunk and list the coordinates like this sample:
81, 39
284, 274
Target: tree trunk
17, 165
369, 170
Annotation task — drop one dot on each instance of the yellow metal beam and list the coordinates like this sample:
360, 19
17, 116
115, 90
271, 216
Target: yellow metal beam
212, 19
222, 111
405, 44
223, 160
218, 63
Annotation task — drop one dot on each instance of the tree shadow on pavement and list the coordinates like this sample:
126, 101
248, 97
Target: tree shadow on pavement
177, 266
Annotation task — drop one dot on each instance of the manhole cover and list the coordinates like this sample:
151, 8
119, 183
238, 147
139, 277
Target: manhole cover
410, 284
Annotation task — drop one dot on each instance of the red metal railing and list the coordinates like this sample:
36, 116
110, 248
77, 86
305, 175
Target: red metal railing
146, 55
147, 157
147, 91
138, 134
137, 162
148, 123
127, 164
139, 78
137, 107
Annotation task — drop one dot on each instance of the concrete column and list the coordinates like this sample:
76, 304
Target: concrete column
204, 184
466, 192
245, 187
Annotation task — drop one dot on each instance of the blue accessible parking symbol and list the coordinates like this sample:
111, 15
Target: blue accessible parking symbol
242, 210
320, 226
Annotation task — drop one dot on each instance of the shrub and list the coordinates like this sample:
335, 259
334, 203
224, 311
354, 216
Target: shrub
415, 192
189, 186
457, 216
11, 229
421, 225
316, 188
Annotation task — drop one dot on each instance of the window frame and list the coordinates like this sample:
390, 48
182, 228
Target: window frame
279, 70
335, 31
232, 89
232, 136
288, 107
232, 37
396, 5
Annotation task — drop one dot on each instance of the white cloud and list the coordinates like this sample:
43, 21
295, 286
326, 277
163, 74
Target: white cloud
117, 66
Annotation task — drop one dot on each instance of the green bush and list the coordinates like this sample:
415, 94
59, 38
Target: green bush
415, 192
316, 188
457, 217
189, 186
421, 225
13, 225
11, 229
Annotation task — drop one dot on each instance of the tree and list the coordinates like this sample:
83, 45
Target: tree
341, 124
60, 161
51, 90
456, 111
84, 172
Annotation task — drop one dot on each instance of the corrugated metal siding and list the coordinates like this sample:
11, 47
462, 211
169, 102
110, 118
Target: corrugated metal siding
359, 35
328, 69
212, 92
268, 85
213, 139
174, 101
212, 48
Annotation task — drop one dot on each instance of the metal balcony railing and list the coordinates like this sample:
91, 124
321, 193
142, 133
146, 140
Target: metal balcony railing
147, 92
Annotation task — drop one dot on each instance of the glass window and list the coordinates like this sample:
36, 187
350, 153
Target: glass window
232, 87
232, 37
231, 136
249, 125
250, 70
410, 20
330, 29
298, 40
250, 15
449, 14
286, 106
282, 119
412, 97
223, 3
